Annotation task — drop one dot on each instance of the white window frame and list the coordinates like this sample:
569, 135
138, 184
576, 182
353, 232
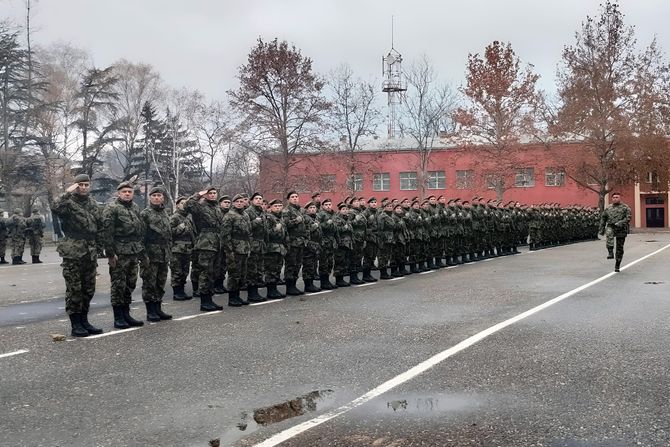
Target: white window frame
436, 180
404, 186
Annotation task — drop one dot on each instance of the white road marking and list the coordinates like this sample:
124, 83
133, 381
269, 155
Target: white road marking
433, 361
20, 327
264, 302
366, 284
429, 271
120, 331
452, 267
9, 354
487, 260
318, 293
23, 313
188, 317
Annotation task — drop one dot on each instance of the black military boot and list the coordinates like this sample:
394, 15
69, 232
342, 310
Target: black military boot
439, 263
207, 305
384, 273
395, 273
415, 268
310, 287
194, 285
178, 293
367, 276
2, 260
325, 283
274, 293
515, 250
354, 279
430, 265
151, 311
78, 329
450, 261
253, 296
36, 260
405, 269
617, 265
119, 320
219, 288
158, 307
610, 252
234, 299
291, 289
88, 326
130, 320
340, 282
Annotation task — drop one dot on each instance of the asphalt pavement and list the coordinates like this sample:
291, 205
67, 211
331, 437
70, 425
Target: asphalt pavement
445, 358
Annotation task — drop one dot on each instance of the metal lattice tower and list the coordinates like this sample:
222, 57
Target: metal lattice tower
392, 84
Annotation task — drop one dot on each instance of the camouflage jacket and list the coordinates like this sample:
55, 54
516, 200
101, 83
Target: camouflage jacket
158, 235
400, 234
414, 223
371, 225
359, 225
294, 221
123, 229
259, 232
616, 217
16, 226
236, 232
345, 232
276, 234
35, 226
183, 233
3, 228
314, 232
207, 218
81, 221
385, 225
328, 229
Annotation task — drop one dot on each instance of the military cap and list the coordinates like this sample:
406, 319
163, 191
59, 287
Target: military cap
351, 200
224, 197
457, 199
157, 189
274, 202
256, 194
82, 178
341, 205
372, 199
440, 197
385, 199
310, 203
361, 198
237, 197
415, 198
387, 203
210, 188
180, 199
450, 201
326, 201
123, 185
414, 202
430, 197
425, 202
397, 206
290, 193
244, 195
315, 195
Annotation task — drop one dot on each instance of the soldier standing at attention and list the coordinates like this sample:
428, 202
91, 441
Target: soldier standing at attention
316, 200
385, 225
236, 239
295, 225
157, 242
182, 250
123, 231
81, 222
259, 237
359, 225
17, 235
326, 219
310, 259
345, 241
207, 219
614, 224
3, 236
35, 233
220, 264
276, 250
371, 247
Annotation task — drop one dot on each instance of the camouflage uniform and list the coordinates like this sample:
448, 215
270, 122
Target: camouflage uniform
310, 259
328, 246
124, 237
345, 242
183, 236
400, 239
385, 225
236, 239
274, 255
615, 219
81, 222
371, 244
359, 225
157, 242
35, 233
3, 236
259, 237
294, 222
17, 235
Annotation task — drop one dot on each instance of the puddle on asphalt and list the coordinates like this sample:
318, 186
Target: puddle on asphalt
655, 282
652, 240
250, 421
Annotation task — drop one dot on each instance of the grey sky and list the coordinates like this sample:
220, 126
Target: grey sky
200, 43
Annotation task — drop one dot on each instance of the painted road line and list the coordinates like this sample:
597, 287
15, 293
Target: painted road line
396, 279
433, 361
188, 317
264, 302
10, 354
106, 334
318, 293
452, 266
429, 271
366, 284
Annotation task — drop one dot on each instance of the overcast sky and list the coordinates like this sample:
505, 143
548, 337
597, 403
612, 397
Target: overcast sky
200, 43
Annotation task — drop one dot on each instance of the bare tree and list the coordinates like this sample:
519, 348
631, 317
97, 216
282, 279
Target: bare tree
354, 115
211, 125
502, 110
426, 112
281, 105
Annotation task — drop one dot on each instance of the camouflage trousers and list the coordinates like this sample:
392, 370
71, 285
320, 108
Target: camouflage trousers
385, 255
255, 269
609, 237
293, 262
195, 269
35, 243
273, 265
79, 275
154, 275
237, 270
18, 246
341, 261
326, 261
205, 271
369, 255
416, 253
220, 267
356, 260
3, 246
617, 244
124, 278
399, 254
310, 262
180, 264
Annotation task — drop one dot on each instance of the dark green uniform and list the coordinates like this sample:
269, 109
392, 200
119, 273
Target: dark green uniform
294, 222
34, 234
17, 236
371, 243
345, 241
3, 236
183, 236
385, 227
236, 237
259, 237
157, 243
310, 259
616, 219
359, 225
328, 246
276, 250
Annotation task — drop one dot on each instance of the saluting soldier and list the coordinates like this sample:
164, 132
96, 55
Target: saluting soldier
17, 236
328, 244
295, 225
236, 237
81, 223
310, 259
34, 234
124, 246
259, 237
276, 250
183, 237
157, 243
3, 237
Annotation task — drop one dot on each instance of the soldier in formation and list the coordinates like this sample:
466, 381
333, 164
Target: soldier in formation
34, 235
3, 237
16, 226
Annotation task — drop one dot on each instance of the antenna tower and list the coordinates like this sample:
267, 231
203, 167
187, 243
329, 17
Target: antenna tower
392, 84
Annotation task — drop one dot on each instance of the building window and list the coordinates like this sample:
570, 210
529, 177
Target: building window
652, 177
327, 182
465, 179
355, 182
407, 181
381, 181
436, 180
491, 181
524, 178
301, 184
654, 201
554, 177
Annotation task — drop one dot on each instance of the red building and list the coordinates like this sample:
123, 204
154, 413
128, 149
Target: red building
394, 172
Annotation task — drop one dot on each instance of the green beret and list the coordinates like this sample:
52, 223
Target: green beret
315, 195
256, 194
372, 199
237, 197
180, 199
275, 202
210, 188
341, 205
244, 195
224, 197
290, 193
123, 185
157, 189
326, 201
81, 178
310, 203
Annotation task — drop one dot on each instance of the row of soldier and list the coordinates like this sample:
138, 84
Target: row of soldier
252, 241
17, 230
